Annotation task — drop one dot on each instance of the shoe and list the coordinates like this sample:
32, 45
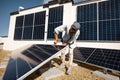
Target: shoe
68, 72
61, 66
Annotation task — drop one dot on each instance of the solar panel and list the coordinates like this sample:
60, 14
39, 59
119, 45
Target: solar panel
109, 20
106, 58
23, 64
87, 17
100, 21
39, 25
34, 24
55, 19
18, 28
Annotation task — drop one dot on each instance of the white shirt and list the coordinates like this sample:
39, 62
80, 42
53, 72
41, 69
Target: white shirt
66, 36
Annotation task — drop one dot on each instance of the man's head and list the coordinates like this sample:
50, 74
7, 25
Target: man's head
74, 27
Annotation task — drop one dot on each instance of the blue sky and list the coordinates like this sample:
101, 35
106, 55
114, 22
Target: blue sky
8, 6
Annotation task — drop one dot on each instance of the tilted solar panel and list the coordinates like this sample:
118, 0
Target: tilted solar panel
106, 58
23, 64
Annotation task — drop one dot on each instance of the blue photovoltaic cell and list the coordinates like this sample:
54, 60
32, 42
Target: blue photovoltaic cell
18, 33
107, 58
38, 32
21, 63
19, 21
27, 33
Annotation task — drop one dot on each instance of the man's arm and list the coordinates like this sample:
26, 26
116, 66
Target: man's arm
56, 38
57, 31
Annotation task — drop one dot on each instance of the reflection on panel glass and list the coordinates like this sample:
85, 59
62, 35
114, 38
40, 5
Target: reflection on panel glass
87, 17
55, 20
28, 60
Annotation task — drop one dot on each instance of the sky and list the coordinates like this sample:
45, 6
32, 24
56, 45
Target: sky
8, 6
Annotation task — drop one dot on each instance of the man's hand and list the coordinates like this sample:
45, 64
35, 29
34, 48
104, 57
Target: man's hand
55, 42
65, 44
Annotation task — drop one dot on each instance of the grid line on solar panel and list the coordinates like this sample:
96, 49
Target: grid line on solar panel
39, 54
82, 53
46, 52
90, 55
31, 56
16, 70
33, 53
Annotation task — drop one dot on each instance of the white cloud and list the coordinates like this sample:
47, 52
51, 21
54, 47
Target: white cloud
46, 1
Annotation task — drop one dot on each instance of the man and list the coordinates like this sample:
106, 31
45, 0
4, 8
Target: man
69, 37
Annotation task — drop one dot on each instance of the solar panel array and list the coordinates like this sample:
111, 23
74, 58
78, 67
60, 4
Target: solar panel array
24, 63
30, 27
107, 58
100, 21
55, 19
